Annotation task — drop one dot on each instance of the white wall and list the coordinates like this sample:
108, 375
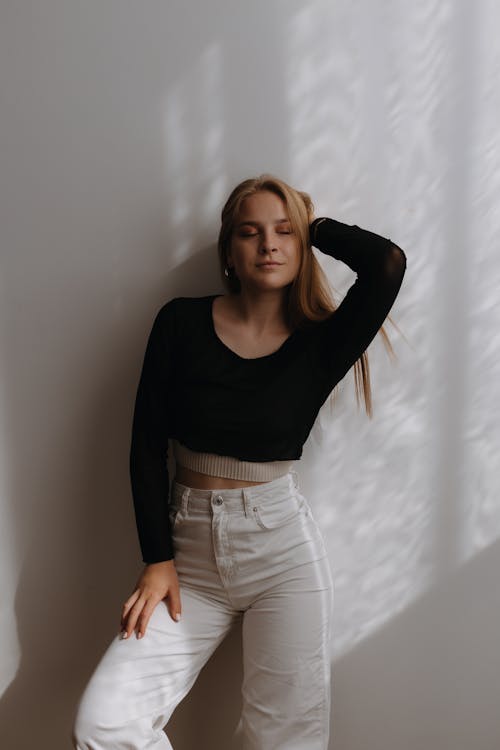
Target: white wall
124, 126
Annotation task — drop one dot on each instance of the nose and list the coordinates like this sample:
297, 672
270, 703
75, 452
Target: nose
267, 244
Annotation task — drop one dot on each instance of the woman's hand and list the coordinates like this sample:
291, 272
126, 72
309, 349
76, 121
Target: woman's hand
157, 581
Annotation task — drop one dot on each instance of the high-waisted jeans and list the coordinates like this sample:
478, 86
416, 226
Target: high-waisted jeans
254, 552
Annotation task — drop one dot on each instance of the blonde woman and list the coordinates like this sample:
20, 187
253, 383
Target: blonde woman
236, 381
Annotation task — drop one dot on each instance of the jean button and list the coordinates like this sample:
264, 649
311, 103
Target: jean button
219, 499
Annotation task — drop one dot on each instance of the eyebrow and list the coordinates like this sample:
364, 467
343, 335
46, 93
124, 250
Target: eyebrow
256, 223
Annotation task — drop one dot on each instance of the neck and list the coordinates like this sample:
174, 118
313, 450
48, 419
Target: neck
263, 312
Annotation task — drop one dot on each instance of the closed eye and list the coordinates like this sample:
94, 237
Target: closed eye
254, 234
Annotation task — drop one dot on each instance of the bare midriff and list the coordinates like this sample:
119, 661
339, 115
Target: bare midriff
199, 481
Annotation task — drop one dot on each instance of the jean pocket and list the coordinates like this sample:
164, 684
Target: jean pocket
272, 515
174, 515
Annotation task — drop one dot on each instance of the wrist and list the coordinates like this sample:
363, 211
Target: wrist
160, 564
313, 228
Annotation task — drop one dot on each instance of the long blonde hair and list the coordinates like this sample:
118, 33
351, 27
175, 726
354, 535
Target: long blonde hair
309, 296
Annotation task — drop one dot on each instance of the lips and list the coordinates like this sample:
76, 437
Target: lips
269, 264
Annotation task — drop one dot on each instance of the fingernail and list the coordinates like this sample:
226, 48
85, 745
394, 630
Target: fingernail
123, 634
177, 616
139, 635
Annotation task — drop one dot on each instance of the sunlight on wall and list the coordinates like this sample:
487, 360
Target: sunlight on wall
482, 414
367, 101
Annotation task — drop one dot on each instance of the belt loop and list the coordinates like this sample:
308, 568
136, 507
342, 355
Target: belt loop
295, 478
246, 502
184, 501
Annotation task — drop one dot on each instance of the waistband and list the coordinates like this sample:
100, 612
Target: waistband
229, 466
235, 498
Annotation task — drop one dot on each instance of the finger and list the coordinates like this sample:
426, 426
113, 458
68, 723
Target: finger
131, 600
174, 603
132, 616
127, 605
146, 613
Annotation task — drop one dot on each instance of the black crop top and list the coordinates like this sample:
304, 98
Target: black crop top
194, 388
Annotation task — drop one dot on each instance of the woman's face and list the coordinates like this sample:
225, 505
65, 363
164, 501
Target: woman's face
262, 232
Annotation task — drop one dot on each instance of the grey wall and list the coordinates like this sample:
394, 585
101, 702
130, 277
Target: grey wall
124, 126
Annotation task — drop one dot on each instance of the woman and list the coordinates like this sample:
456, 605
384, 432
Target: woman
236, 381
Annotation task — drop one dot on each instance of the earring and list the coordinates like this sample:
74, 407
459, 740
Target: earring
226, 271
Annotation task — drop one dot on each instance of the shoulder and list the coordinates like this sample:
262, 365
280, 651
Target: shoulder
178, 309
183, 303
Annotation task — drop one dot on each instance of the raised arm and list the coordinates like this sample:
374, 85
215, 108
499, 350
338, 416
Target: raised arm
380, 266
149, 443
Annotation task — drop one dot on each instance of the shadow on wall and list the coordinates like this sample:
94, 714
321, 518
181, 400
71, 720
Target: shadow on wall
422, 681
82, 555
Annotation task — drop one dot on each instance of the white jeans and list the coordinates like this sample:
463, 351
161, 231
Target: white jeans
253, 552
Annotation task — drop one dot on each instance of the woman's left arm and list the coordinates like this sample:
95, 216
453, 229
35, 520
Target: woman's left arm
380, 266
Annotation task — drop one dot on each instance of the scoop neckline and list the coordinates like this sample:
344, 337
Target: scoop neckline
231, 351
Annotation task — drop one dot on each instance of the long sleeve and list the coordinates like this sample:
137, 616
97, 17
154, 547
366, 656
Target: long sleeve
149, 442
380, 266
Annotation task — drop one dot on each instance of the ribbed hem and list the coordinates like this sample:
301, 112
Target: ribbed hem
229, 466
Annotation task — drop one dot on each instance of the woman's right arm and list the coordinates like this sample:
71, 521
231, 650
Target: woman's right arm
150, 480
